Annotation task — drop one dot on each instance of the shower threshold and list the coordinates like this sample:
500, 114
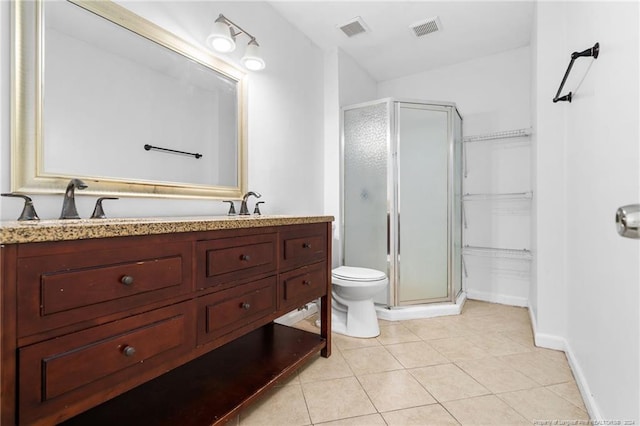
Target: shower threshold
399, 313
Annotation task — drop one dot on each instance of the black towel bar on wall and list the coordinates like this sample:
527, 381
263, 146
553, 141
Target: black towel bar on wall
592, 51
148, 147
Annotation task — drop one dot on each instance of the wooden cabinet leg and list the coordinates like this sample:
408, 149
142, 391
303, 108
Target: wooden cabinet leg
325, 323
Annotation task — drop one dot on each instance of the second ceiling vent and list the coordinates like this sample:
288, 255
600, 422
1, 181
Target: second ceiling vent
426, 26
354, 27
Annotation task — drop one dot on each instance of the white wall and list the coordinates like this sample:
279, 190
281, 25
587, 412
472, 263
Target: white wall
588, 164
332, 147
492, 94
285, 114
5, 102
346, 83
356, 85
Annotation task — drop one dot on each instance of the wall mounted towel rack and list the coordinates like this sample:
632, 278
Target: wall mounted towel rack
148, 147
592, 51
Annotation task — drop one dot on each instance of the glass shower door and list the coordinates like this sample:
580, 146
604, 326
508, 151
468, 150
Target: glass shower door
423, 162
365, 186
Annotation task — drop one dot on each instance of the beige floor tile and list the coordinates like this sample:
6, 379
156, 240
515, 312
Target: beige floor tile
395, 333
428, 415
457, 326
497, 344
394, 390
459, 349
558, 356
496, 322
343, 342
516, 314
540, 367
484, 410
416, 354
570, 392
522, 337
334, 367
493, 374
542, 404
371, 360
336, 399
476, 307
429, 329
458, 360
283, 405
370, 420
447, 382
293, 379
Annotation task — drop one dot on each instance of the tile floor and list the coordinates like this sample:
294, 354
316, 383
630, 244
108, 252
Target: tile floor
478, 368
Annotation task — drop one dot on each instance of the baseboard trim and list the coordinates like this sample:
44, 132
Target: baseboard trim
583, 385
503, 299
298, 315
551, 341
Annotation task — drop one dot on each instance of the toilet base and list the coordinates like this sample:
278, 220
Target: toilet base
358, 320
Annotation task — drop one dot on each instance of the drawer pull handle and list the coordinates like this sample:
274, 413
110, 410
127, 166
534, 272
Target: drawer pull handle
246, 306
306, 282
245, 257
306, 245
126, 280
129, 351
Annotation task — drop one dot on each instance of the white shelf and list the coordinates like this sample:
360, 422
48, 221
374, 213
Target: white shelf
498, 135
516, 254
495, 196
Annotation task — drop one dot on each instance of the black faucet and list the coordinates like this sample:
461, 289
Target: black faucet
244, 211
69, 210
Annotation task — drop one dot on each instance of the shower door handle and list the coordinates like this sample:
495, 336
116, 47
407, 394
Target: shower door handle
628, 221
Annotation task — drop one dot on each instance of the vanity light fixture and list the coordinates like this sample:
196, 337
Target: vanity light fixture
223, 39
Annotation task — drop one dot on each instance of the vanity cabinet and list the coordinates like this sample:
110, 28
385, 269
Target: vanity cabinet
178, 325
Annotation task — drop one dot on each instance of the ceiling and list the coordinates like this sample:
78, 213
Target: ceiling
470, 29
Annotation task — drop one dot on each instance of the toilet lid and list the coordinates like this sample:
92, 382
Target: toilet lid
352, 273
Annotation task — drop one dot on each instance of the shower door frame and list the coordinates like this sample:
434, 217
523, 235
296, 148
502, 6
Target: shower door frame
450, 109
393, 220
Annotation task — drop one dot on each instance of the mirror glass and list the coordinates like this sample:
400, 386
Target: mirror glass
129, 107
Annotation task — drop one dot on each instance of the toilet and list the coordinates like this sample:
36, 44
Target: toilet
353, 311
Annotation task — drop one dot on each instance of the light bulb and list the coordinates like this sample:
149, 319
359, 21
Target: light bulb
252, 59
221, 38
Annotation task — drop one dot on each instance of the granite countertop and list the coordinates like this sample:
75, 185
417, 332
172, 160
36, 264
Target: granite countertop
12, 232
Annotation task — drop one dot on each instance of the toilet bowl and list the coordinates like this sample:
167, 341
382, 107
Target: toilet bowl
353, 311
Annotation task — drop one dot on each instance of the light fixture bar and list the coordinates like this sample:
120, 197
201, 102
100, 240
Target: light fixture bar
235, 27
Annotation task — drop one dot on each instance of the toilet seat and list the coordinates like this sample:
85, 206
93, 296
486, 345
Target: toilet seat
354, 276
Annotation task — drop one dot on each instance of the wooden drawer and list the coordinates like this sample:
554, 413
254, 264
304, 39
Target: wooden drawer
61, 289
231, 259
301, 285
303, 245
232, 309
105, 360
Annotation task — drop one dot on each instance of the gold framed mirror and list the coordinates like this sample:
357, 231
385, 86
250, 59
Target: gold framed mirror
101, 94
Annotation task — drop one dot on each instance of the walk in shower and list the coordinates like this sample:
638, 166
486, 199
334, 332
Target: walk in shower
401, 205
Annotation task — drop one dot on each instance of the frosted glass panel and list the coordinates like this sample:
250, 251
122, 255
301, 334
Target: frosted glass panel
423, 204
457, 204
365, 186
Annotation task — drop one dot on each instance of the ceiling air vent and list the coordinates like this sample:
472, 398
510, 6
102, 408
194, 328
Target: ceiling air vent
354, 27
425, 27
